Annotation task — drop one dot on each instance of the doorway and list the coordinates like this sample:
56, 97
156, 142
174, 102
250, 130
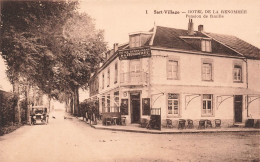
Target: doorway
135, 107
238, 102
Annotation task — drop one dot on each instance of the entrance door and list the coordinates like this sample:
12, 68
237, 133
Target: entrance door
135, 107
238, 102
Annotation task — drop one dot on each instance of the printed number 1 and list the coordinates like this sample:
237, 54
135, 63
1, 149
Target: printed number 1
146, 12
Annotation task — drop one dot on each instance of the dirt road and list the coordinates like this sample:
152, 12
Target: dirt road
75, 141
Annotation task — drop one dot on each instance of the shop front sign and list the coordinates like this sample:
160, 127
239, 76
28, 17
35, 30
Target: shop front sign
134, 53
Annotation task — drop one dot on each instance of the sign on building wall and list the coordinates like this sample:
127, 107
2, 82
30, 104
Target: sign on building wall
134, 53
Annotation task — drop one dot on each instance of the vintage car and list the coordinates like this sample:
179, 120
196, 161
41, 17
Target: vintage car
39, 115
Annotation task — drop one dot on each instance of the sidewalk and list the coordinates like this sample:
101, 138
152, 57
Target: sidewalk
136, 128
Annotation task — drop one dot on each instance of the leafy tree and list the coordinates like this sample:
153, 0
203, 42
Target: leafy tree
81, 47
28, 31
51, 46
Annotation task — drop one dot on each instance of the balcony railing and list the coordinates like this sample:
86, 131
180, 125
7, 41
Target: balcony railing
133, 78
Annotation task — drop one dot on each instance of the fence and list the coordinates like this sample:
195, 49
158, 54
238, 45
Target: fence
155, 118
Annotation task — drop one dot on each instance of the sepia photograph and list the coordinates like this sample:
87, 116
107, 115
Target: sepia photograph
129, 81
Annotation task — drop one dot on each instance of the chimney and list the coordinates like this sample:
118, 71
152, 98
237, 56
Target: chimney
200, 28
190, 27
115, 47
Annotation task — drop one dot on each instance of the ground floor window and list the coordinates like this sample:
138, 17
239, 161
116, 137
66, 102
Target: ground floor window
146, 106
103, 103
108, 103
116, 101
173, 104
207, 108
124, 107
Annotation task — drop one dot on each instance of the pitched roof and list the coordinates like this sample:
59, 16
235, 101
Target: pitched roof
225, 44
169, 37
237, 44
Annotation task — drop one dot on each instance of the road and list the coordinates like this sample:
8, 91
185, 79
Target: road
75, 141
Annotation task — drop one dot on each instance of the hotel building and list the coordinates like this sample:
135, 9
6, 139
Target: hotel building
188, 74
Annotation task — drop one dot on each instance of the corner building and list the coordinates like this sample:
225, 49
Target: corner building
188, 74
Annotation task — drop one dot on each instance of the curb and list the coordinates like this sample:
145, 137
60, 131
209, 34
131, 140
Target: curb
184, 132
179, 132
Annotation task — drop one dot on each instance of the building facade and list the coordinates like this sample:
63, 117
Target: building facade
188, 74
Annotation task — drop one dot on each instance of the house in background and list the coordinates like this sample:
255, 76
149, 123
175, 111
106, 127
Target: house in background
187, 74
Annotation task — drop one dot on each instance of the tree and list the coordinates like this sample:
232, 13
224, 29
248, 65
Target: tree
28, 31
51, 46
81, 48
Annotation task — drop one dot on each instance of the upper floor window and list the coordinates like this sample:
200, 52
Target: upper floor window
207, 108
135, 71
172, 69
103, 80
173, 104
207, 71
116, 73
237, 73
96, 85
206, 45
108, 77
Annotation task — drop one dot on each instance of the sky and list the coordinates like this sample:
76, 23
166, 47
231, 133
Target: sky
4, 82
118, 18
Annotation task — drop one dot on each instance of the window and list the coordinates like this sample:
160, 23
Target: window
91, 87
96, 85
108, 103
173, 104
237, 73
206, 45
103, 103
172, 69
116, 98
135, 40
103, 80
108, 77
207, 108
116, 73
135, 71
207, 71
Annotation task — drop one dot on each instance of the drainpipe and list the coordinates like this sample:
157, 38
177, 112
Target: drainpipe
149, 78
246, 73
247, 88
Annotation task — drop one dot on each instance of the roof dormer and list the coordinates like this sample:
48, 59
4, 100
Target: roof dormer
139, 39
206, 45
